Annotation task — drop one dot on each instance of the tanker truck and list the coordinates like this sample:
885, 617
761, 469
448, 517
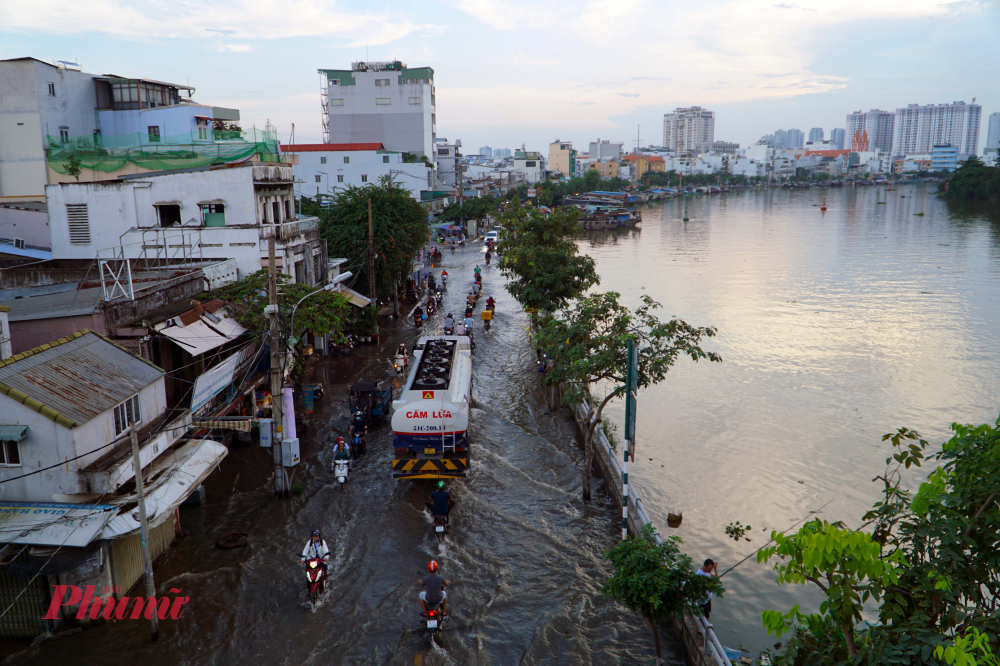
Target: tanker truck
430, 420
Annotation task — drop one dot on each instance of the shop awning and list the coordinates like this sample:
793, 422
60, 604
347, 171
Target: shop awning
174, 476
202, 335
353, 297
13, 433
243, 424
52, 524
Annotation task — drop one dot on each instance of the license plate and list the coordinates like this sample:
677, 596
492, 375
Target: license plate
430, 451
432, 624
439, 528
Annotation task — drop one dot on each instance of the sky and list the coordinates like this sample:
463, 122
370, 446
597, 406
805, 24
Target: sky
513, 72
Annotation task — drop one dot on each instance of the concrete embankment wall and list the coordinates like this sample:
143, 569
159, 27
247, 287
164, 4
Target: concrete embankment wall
608, 466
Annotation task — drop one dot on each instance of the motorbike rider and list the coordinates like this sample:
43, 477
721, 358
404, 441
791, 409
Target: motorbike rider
316, 547
488, 257
491, 303
471, 298
342, 452
468, 323
359, 425
434, 592
418, 315
449, 323
430, 307
440, 502
459, 329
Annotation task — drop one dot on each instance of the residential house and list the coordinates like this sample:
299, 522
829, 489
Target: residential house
325, 168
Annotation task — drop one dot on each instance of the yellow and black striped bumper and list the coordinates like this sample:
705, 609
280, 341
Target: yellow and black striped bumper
432, 468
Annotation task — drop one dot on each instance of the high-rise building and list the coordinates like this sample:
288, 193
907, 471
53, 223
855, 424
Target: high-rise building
869, 130
796, 139
381, 102
601, 149
993, 134
689, 131
562, 158
837, 137
486, 152
815, 134
781, 139
501, 152
917, 129
725, 147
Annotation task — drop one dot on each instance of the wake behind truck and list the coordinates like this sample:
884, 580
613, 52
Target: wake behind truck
430, 419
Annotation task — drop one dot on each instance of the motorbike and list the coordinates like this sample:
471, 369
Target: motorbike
439, 297
399, 363
344, 348
358, 445
444, 281
340, 471
487, 320
462, 243
418, 320
315, 577
434, 618
488, 259
430, 307
452, 246
441, 524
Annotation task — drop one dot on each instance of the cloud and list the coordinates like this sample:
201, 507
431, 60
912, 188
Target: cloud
235, 48
650, 78
787, 6
629, 94
250, 19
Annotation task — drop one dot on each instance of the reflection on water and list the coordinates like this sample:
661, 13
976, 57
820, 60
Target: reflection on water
834, 327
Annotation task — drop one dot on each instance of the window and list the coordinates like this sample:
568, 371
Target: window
364, 178
78, 221
276, 212
347, 159
288, 209
381, 83
64, 135
340, 179
169, 214
529, 164
202, 129
443, 152
11, 454
213, 215
385, 159
415, 101
154, 133
322, 160
319, 179
317, 268
126, 414
52, 90
336, 102
383, 101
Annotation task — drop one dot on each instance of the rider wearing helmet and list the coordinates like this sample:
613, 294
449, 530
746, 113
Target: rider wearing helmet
471, 298
342, 451
316, 547
440, 502
434, 592
359, 424
491, 303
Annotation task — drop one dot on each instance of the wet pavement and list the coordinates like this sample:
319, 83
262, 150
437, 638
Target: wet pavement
525, 554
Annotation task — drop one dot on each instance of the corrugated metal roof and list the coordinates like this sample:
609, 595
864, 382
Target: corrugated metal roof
79, 378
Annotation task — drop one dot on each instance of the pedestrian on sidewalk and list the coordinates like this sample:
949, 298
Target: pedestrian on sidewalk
710, 569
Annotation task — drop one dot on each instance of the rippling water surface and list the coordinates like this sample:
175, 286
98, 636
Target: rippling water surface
835, 328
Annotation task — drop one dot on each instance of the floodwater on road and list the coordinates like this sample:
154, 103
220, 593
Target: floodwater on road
835, 328
525, 555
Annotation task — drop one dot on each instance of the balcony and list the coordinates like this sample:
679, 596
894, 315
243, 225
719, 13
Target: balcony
289, 230
267, 174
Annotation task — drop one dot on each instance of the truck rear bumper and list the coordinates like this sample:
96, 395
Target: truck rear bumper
430, 468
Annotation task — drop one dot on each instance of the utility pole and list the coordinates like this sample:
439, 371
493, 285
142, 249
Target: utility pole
276, 378
371, 255
147, 561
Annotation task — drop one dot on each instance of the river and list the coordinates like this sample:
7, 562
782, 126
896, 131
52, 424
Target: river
834, 327
525, 554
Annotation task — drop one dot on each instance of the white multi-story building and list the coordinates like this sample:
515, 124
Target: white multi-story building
725, 147
795, 138
193, 214
381, 102
600, 149
993, 133
689, 131
447, 156
837, 137
815, 134
47, 110
917, 129
531, 164
871, 130
324, 168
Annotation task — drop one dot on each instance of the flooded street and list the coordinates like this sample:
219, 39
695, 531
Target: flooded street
834, 328
525, 555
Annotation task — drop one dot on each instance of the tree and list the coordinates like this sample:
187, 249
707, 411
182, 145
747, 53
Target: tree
545, 268
589, 344
74, 167
930, 559
974, 181
400, 231
656, 580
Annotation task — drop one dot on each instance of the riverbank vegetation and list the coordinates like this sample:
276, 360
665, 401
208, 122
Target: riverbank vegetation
974, 182
925, 565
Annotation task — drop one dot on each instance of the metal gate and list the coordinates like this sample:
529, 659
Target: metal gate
126, 555
27, 601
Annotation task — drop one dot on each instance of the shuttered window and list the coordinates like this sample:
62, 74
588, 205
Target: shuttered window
79, 224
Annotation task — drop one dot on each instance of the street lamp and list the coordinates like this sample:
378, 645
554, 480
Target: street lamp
330, 287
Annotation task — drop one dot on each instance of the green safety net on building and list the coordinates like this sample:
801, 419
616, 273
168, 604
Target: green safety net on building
159, 153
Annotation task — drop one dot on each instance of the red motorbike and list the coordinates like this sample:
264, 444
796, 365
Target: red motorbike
316, 577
